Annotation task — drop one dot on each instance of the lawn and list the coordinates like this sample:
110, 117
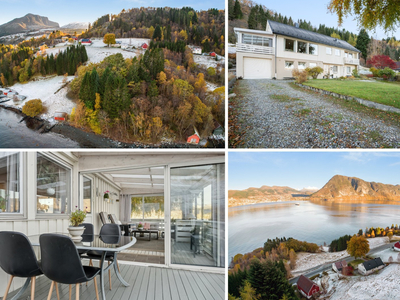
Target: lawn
380, 92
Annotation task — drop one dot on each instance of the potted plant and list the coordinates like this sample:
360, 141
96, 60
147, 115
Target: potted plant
76, 229
106, 195
140, 226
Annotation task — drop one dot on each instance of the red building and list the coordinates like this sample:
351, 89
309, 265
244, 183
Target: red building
193, 139
396, 246
307, 287
144, 46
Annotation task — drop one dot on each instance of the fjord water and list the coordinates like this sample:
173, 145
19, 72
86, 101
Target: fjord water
18, 135
251, 225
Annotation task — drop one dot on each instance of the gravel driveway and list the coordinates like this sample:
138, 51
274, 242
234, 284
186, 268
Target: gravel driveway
273, 114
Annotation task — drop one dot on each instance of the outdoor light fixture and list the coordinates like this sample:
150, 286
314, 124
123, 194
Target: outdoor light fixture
51, 191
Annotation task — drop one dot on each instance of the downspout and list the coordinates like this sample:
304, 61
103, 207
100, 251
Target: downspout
276, 47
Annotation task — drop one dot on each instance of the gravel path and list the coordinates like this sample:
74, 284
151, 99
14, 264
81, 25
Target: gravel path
273, 114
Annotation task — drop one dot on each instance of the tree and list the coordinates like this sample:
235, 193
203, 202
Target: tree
109, 38
381, 62
247, 292
358, 246
335, 35
237, 10
157, 33
369, 14
252, 21
231, 13
362, 42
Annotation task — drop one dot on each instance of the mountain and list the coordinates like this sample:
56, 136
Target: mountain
352, 189
27, 23
76, 25
264, 194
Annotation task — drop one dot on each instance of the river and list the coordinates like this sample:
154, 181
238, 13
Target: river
14, 134
251, 225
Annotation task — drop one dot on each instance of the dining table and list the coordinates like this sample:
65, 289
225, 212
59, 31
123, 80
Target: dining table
105, 244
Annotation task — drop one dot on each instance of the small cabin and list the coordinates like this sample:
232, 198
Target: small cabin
193, 139
86, 42
396, 247
213, 54
144, 46
60, 116
196, 50
307, 287
370, 266
339, 265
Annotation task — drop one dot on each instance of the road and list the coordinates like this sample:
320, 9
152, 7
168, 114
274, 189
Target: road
328, 266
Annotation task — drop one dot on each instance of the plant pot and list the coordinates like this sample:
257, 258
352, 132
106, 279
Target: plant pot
76, 233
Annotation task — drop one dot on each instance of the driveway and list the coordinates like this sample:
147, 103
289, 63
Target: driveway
274, 114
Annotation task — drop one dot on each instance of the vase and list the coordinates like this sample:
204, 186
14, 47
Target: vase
76, 233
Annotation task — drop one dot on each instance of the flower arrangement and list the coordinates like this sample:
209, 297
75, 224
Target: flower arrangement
106, 194
140, 225
77, 217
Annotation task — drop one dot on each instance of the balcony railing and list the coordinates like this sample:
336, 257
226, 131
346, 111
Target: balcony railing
351, 61
255, 49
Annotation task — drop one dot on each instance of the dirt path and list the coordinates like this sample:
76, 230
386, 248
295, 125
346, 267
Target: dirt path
277, 114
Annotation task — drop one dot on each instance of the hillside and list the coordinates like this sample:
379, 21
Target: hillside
352, 189
76, 25
27, 23
263, 194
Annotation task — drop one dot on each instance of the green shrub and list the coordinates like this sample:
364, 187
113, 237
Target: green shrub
355, 73
387, 73
375, 72
33, 107
314, 72
299, 76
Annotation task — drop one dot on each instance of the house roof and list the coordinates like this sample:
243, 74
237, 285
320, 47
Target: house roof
372, 264
305, 284
341, 264
397, 245
291, 31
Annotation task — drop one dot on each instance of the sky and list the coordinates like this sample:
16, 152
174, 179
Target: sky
316, 11
67, 11
309, 169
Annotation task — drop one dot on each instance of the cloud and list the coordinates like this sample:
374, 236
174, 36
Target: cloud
356, 156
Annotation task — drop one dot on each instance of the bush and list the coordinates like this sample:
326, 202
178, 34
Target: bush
300, 76
387, 73
33, 107
314, 72
375, 72
355, 73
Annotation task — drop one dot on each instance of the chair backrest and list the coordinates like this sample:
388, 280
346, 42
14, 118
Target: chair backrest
104, 218
17, 257
60, 259
114, 220
88, 234
110, 233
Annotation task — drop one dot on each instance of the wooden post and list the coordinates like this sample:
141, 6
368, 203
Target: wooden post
8, 287
33, 288
77, 291
51, 290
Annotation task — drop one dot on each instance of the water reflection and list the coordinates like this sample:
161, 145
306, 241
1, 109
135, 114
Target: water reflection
250, 226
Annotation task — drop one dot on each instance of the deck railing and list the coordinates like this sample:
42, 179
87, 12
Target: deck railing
351, 61
254, 49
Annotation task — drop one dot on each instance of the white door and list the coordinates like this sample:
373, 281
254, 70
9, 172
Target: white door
257, 68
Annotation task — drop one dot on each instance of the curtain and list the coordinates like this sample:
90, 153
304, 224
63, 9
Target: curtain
12, 183
125, 208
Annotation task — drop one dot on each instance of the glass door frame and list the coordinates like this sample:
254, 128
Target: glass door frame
167, 207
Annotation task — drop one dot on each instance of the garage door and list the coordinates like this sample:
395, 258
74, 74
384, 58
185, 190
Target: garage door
257, 68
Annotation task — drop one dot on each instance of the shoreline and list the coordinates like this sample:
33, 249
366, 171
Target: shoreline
83, 138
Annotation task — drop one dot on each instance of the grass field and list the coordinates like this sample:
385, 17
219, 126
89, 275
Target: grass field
379, 92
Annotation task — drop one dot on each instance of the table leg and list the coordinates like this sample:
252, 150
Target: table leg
22, 290
103, 294
115, 263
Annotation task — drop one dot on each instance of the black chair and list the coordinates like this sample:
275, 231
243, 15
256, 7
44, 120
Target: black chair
18, 259
87, 236
104, 218
61, 263
195, 240
111, 234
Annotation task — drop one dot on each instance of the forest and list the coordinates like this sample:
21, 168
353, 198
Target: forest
202, 28
19, 64
149, 98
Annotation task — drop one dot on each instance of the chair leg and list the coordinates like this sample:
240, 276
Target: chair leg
95, 287
77, 291
58, 294
33, 288
109, 275
70, 291
8, 287
51, 290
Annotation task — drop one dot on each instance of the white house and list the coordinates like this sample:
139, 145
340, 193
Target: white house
179, 190
275, 52
370, 266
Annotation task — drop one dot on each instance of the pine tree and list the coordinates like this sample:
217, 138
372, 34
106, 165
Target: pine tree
94, 88
84, 93
157, 33
237, 10
362, 42
231, 13
252, 21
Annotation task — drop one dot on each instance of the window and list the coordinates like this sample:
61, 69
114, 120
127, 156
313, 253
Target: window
53, 186
247, 39
10, 182
348, 70
267, 42
350, 55
312, 65
313, 49
289, 45
147, 208
256, 40
335, 69
301, 47
302, 65
337, 52
328, 50
289, 64
87, 194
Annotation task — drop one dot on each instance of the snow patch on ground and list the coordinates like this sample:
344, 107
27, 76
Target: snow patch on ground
208, 61
386, 254
382, 285
231, 48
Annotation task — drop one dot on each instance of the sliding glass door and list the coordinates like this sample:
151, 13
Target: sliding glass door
197, 202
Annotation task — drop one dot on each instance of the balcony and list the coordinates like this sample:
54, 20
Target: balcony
254, 49
351, 61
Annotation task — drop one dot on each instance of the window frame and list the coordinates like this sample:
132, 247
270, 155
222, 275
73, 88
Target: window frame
348, 70
263, 38
306, 49
91, 194
57, 160
303, 63
290, 67
333, 69
338, 52
330, 50
316, 49
22, 186
294, 45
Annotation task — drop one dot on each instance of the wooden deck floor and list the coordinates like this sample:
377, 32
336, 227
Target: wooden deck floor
146, 283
